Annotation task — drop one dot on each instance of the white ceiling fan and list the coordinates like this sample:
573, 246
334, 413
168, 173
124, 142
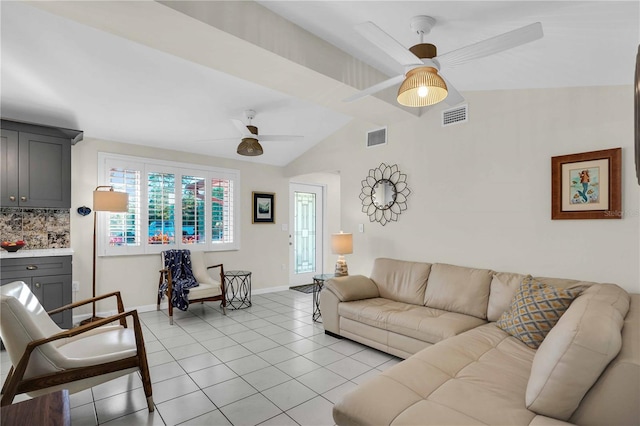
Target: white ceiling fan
421, 83
250, 144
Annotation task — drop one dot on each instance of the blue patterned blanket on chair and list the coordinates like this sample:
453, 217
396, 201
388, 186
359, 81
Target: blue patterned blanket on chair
178, 262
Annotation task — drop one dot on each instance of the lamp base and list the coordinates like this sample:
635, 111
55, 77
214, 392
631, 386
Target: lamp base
341, 267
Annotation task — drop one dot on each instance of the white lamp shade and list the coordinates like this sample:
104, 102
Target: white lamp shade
110, 201
342, 243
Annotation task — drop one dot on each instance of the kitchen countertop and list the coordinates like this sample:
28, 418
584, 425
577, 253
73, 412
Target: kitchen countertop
36, 253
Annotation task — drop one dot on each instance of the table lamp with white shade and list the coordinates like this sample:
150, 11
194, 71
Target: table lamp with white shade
341, 244
105, 199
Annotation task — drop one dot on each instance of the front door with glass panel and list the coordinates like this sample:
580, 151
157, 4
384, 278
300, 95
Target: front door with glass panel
305, 233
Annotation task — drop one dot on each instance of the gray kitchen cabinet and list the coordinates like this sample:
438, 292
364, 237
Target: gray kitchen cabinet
8, 167
36, 165
49, 279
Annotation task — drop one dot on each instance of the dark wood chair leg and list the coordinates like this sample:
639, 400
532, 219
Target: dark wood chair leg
159, 294
142, 363
10, 388
169, 295
223, 286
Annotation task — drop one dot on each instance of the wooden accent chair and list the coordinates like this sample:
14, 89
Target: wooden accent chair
208, 289
46, 358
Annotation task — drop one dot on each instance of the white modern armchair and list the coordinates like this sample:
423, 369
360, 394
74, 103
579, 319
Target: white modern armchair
46, 358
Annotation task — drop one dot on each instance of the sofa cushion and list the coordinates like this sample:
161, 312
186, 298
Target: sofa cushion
458, 289
422, 323
574, 354
611, 294
352, 287
504, 286
613, 399
429, 324
563, 282
534, 310
374, 312
400, 280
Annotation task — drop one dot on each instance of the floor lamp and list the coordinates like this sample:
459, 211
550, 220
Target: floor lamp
105, 199
341, 244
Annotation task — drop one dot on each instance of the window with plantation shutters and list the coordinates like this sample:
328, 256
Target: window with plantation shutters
123, 229
161, 199
171, 205
222, 210
193, 210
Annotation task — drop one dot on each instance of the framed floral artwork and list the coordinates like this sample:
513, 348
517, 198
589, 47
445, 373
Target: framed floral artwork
587, 185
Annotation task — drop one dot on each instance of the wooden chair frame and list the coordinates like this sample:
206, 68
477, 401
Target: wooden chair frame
15, 384
166, 274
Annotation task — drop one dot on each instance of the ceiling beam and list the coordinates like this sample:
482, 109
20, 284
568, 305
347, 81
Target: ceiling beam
245, 40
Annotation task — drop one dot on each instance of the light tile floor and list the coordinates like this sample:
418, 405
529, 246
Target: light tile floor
269, 364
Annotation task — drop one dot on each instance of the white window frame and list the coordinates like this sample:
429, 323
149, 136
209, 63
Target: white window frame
148, 165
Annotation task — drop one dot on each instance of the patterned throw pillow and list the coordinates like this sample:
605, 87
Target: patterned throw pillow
535, 309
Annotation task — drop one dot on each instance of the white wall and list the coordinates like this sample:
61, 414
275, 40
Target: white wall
480, 195
264, 247
481, 191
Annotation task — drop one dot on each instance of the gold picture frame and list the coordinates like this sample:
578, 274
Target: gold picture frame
263, 207
587, 185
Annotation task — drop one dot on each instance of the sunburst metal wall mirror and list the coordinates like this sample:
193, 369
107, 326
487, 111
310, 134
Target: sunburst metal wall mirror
384, 194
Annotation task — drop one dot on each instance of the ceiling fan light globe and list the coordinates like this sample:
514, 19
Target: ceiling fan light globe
250, 147
412, 90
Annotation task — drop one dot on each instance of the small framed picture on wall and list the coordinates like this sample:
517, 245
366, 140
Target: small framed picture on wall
587, 185
263, 206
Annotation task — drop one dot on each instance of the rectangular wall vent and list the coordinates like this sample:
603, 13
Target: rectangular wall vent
377, 137
451, 116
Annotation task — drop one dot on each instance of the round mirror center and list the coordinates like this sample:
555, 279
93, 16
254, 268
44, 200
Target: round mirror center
384, 193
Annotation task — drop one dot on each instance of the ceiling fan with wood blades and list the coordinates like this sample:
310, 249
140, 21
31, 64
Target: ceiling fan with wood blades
421, 83
250, 143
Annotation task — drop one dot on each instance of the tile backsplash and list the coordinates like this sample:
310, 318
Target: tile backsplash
40, 228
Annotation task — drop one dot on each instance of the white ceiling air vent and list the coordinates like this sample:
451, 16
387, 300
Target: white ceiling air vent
377, 137
456, 115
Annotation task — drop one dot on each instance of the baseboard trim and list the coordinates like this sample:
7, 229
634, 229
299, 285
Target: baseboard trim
270, 289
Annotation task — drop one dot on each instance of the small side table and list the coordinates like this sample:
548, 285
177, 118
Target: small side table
48, 409
238, 289
318, 283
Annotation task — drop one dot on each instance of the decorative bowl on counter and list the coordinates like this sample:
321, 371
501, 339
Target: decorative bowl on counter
12, 246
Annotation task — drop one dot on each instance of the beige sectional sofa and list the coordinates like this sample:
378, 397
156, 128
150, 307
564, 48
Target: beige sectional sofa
461, 368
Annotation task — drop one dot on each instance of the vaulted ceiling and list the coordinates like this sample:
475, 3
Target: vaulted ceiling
173, 74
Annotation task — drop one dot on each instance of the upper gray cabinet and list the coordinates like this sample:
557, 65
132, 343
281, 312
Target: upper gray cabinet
36, 165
